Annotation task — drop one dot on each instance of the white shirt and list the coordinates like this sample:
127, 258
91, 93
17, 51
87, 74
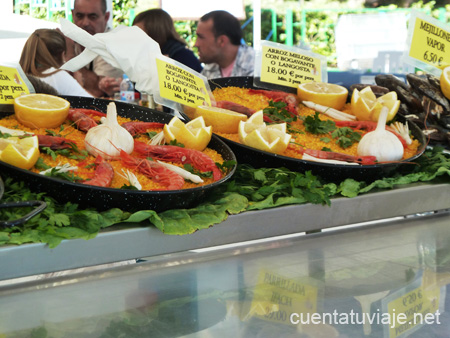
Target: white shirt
64, 83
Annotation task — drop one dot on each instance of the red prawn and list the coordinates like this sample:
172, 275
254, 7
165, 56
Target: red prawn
236, 107
90, 112
291, 100
103, 175
276, 95
197, 159
153, 170
135, 128
83, 121
54, 142
330, 155
369, 126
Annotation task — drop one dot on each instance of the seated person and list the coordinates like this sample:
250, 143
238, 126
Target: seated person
42, 55
99, 77
158, 24
219, 37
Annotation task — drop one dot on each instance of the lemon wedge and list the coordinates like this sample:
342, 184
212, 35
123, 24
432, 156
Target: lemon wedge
367, 107
194, 134
20, 152
327, 94
41, 110
271, 138
445, 82
222, 120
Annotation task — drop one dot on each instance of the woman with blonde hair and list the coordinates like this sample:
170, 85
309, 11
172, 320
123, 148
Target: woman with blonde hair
42, 55
159, 25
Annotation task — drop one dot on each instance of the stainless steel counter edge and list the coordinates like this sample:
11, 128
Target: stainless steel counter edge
130, 241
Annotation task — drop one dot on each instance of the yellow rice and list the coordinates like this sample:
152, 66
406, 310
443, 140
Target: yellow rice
85, 168
305, 140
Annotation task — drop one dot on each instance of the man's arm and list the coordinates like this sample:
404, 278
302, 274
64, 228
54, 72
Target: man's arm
85, 77
89, 81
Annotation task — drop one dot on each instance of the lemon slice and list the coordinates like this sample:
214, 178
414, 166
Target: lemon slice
362, 103
327, 94
41, 110
367, 107
20, 152
221, 120
445, 82
194, 134
271, 138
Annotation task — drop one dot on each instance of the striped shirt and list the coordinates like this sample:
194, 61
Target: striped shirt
243, 66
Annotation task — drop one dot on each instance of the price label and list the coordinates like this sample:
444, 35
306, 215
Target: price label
276, 297
288, 66
412, 310
12, 84
430, 42
179, 85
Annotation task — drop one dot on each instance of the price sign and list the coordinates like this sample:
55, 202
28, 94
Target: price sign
180, 85
429, 42
289, 66
412, 307
276, 297
12, 84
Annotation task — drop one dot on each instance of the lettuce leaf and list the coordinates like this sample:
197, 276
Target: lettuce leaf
249, 189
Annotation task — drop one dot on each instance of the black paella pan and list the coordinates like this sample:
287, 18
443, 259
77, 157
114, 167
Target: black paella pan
87, 196
328, 171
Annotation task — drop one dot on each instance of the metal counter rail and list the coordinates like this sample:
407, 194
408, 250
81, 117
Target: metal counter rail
130, 241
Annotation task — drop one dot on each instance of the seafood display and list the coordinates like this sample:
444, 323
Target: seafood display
330, 151
422, 102
67, 145
156, 177
312, 133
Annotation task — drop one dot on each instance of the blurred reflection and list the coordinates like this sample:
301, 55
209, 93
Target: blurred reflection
368, 282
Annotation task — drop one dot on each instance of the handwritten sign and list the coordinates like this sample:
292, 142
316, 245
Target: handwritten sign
289, 66
429, 43
12, 84
179, 85
276, 297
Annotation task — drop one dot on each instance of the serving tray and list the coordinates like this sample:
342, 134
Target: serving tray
329, 171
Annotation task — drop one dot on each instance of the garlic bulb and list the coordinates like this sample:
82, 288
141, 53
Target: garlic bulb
382, 144
108, 138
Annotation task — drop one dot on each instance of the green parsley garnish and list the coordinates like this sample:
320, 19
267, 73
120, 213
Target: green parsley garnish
346, 136
277, 111
314, 125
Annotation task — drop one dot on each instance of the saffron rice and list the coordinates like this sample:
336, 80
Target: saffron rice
85, 167
300, 139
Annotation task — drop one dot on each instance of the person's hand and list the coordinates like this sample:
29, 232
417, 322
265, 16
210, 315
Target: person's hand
109, 85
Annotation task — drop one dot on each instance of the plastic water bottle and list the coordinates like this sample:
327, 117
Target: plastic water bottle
127, 90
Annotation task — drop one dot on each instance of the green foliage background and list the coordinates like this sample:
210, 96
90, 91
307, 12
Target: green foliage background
321, 18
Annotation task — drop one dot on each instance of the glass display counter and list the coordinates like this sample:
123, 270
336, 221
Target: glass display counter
131, 241
384, 279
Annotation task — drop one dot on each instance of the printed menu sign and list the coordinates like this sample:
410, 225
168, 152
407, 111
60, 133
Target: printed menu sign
12, 84
428, 43
288, 66
178, 84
